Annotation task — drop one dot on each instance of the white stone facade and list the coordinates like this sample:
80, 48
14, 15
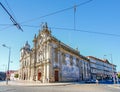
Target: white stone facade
50, 60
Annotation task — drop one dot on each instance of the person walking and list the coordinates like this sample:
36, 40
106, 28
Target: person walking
97, 81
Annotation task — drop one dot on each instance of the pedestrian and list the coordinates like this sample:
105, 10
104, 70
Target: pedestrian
47, 80
96, 81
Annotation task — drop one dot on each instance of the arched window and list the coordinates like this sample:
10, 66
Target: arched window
71, 60
77, 62
63, 59
56, 55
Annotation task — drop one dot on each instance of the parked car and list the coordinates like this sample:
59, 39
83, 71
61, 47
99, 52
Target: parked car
119, 80
90, 81
0, 79
2, 76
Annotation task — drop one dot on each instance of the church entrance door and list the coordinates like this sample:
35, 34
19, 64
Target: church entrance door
39, 75
56, 76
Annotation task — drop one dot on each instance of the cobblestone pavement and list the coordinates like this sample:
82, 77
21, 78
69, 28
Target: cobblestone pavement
31, 83
59, 88
114, 86
25, 86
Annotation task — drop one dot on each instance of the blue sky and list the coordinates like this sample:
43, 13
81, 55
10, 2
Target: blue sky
97, 16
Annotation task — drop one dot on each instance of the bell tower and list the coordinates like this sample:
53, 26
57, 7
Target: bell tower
26, 48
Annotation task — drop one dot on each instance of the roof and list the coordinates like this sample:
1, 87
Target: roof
102, 60
75, 51
96, 58
105, 61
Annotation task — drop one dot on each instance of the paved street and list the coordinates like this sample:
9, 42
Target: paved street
65, 87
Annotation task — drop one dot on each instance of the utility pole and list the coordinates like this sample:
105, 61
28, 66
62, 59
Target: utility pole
7, 72
113, 75
11, 18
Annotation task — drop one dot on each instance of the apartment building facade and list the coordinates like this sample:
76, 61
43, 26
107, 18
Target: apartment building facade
101, 69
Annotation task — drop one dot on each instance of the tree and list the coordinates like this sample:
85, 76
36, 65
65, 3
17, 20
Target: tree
119, 75
16, 75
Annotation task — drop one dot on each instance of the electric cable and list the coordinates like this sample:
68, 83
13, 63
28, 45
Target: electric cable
12, 13
77, 30
56, 12
15, 23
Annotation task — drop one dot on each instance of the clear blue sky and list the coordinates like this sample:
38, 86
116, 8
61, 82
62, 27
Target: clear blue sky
98, 16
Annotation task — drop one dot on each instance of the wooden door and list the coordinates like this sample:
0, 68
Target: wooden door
56, 76
39, 75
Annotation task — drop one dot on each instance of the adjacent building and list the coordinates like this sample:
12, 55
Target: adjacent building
101, 69
50, 60
13, 75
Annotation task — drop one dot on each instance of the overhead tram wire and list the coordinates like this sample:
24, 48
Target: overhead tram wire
59, 11
85, 31
77, 30
75, 16
74, 24
11, 12
10, 9
6, 27
11, 18
56, 12
6, 24
33, 26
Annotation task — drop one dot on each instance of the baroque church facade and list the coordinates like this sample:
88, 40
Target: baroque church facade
50, 60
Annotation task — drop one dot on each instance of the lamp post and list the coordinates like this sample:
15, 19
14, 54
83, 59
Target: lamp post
7, 73
113, 74
112, 66
104, 57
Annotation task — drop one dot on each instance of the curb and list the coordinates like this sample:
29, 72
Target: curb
34, 84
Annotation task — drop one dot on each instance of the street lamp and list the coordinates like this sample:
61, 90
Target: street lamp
7, 73
113, 74
104, 57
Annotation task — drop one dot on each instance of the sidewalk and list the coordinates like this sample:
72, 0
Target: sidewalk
32, 83
115, 86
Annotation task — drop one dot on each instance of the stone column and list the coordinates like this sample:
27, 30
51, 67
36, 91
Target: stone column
50, 62
48, 51
44, 74
60, 65
48, 72
83, 69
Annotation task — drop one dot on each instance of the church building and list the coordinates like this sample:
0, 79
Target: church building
51, 60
